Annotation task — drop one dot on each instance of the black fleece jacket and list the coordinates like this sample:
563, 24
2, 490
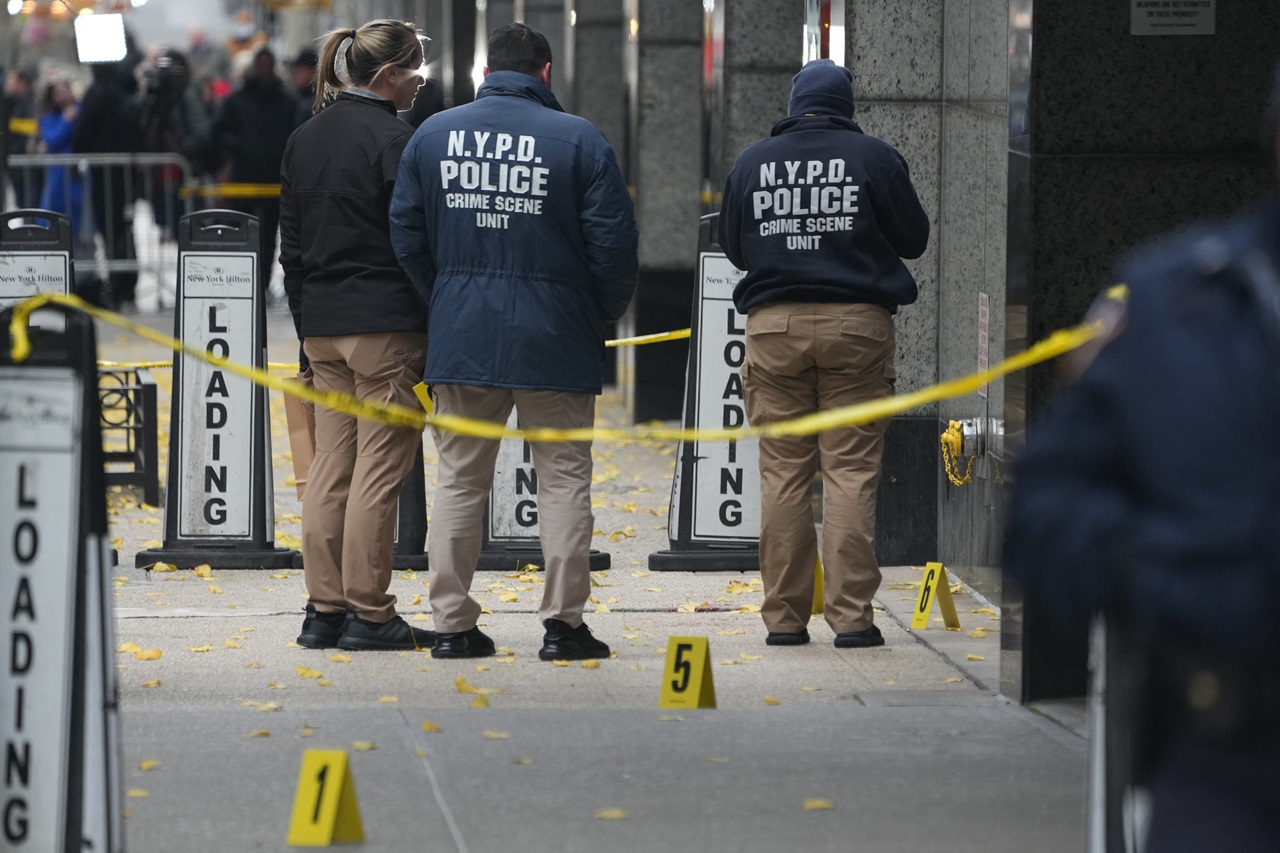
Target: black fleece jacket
340, 274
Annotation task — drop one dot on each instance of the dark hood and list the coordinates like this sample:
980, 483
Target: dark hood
822, 88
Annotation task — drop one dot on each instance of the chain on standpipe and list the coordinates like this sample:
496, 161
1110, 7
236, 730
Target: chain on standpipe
952, 444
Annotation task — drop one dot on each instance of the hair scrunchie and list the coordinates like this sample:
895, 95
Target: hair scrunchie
340, 62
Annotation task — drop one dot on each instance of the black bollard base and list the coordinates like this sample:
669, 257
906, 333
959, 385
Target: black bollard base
515, 559
738, 560
217, 558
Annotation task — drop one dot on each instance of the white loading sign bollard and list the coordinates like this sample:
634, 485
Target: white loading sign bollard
35, 257
220, 507
59, 739
714, 520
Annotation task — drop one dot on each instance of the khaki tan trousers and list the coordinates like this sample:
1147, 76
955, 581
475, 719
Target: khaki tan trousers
804, 358
349, 512
465, 476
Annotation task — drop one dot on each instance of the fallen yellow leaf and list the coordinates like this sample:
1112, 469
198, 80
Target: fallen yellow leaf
216, 590
232, 644
560, 663
340, 658
275, 685
974, 657
324, 682
149, 654
128, 648
137, 794
202, 571
492, 735
603, 608
260, 733
419, 617
817, 804
524, 759
671, 718
769, 700
611, 814
954, 680
479, 702
591, 664
388, 699
746, 656
810, 689
148, 764
201, 649
308, 672
428, 726
253, 664
363, 745
270, 706
154, 683
729, 633
508, 597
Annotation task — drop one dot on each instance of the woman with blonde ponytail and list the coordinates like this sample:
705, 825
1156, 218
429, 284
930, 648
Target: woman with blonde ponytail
362, 324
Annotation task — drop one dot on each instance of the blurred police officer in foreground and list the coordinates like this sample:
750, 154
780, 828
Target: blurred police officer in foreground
820, 215
515, 218
1151, 492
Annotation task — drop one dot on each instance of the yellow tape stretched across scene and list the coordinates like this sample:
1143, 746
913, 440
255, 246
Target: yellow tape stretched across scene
230, 190
1061, 341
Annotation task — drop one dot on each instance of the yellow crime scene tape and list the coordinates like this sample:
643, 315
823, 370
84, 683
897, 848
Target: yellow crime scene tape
1059, 342
230, 190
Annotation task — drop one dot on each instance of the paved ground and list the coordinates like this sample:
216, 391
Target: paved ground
910, 744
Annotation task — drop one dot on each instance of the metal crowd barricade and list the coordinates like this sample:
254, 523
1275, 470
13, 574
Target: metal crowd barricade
126, 216
130, 429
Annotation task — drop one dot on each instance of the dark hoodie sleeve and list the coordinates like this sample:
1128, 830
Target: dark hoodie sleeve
901, 217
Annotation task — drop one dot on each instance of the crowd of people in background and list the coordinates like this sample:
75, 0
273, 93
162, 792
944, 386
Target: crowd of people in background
227, 109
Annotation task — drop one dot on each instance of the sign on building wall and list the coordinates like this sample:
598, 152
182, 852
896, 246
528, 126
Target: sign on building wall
1172, 17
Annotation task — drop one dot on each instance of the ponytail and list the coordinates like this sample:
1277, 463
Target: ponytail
327, 82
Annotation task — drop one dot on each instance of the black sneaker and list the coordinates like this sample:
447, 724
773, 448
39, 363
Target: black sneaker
472, 643
564, 643
321, 630
787, 638
393, 635
860, 639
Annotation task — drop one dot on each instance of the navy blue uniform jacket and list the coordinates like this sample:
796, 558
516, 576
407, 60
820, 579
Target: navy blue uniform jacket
821, 212
1152, 487
515, 218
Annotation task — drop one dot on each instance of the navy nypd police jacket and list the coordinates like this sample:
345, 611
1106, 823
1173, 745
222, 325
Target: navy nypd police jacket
1152, 487
514, 217
820, 211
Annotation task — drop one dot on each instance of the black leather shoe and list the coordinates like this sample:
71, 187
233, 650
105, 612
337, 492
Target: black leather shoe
472, 643
321, 630
564, 643
860, 639
787, 638
393, 635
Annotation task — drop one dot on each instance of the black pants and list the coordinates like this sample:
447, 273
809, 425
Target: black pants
110, 203
267, 211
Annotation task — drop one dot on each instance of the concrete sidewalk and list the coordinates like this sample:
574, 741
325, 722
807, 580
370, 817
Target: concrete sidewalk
911, 743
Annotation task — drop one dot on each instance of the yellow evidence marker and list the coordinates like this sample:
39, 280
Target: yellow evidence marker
325, 808
686, 678
935, 585
819, 588
423, 392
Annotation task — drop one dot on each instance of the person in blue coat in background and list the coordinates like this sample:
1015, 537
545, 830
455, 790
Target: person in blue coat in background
63, 191
1150, 492
515, 218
